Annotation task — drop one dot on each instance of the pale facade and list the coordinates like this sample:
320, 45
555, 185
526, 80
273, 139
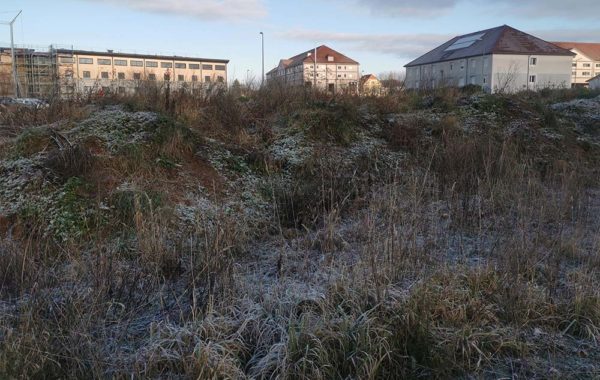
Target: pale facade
494, 73
370, 85
76, 71
330, 71
124, 72
498, 60
586, 62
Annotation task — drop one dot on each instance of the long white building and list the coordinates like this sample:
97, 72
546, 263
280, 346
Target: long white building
501, 59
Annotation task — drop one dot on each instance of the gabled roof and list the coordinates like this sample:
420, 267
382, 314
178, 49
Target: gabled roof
368, 77
501, 40
594, 78
323, 52
589, 49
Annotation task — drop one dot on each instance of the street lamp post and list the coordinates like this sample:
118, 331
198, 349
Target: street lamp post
12, 53
262, 37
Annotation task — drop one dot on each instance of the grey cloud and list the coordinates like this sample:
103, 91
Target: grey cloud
571, 35
399, 45
204, 9
531, 8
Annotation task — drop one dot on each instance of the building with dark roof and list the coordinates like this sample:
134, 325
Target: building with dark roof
586, 62
322, 67
501, 59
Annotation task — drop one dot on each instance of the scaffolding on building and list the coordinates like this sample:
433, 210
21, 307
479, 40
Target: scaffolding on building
40, 72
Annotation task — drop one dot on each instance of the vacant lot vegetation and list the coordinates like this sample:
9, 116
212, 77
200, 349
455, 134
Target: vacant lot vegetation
279, 233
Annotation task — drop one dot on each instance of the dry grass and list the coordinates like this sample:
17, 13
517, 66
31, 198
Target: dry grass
476, 254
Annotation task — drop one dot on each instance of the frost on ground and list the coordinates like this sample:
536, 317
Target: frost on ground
182, 254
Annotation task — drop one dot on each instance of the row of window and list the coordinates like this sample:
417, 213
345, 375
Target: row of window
586, 65
318, 67
582, 74
138, 76
311, 74
140, 63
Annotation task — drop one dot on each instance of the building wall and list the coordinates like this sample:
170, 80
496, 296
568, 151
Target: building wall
583, 69
90, 72
342, 76
371, 87
595, 84
513, 73
494, 73
6, 77
456, 73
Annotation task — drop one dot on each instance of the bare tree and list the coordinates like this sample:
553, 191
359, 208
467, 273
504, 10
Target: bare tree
505, 81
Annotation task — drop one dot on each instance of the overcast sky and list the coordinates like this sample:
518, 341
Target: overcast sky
382, 35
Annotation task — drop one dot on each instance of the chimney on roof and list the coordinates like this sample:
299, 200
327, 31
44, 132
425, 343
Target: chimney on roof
110, 51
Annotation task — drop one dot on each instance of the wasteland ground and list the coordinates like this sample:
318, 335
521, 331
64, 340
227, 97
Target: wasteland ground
279, 233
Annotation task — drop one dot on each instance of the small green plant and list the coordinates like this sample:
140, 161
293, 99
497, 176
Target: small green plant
32, 141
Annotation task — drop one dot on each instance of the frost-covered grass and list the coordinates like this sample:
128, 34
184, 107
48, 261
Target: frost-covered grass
301, 236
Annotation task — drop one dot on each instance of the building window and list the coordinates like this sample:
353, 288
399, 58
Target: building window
451, 67
587, 65
532, 78
120, 62
533, 61
586, 74
574, 64
220, 67
574, 73
598, 65
194, 78
194, 66
166, 65
180, 65
330, 58
151, 64
207, 67
151, 76
167, 77
220, 79
137, 76
67, 60
207, 78
121, 76
87, 74
180, 78
104, 75
136, 63
86, 61
104, 61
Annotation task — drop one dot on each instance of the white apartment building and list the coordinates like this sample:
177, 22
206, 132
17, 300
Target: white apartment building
586, 62
501, 59
322, 67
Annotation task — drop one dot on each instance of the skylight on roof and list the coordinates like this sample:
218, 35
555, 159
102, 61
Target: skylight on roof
465, 42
